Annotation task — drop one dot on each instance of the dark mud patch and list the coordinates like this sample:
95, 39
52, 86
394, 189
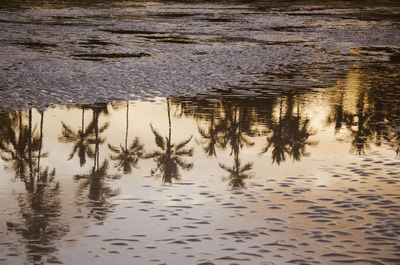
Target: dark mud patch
179, 41
395, 58
36, 45
133, 32
101, 56
219, 20
171, 39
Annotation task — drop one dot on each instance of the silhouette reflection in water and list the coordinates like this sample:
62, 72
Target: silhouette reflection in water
40, 206
289, 134
233, 135
126, 156
81, 139
367, 107
169, 157
234, 122
228, 125
210, 137
95, 182
363, 108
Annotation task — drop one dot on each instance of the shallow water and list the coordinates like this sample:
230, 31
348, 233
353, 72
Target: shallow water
176, 133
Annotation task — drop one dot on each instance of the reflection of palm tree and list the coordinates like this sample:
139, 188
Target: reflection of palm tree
94, 181
210, 137
169, 158
127, 157
38, 175
237, 139
14, 144
81, 140
340, 116
277, 140
374, 90
299, 139
22, 148
40, 209
40, 206
299, 132
233, 133
237, 173
359, 124
362, 134
289, 135
98, 190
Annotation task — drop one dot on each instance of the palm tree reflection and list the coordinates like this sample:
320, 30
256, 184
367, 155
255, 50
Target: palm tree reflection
40, 206
233, 133
95, 181
237, 173
339, 115
16, 142
126, 156
368, 107
234, 136
362, 133
289, 134
81, 139
169, 157
210, 137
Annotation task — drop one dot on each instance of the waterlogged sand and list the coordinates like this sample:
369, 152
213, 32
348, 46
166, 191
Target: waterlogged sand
224, 133
77, 52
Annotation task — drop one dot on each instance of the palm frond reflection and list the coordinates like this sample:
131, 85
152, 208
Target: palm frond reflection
169, 157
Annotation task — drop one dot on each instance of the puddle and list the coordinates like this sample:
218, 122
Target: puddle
297, 176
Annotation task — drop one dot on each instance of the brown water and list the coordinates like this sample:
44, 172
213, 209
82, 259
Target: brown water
205, 151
